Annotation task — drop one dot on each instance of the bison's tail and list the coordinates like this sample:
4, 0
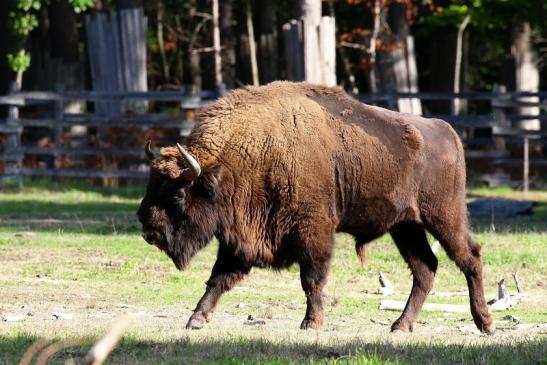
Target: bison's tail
361, 252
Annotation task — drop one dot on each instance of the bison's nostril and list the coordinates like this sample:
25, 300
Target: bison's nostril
148, 237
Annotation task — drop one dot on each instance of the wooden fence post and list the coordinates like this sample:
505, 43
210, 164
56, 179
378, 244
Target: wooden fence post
311, 18
294, 56
327, 49
58, 117
14, 140
499, 114
526, 167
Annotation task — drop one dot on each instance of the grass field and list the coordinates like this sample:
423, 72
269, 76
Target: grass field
77, 252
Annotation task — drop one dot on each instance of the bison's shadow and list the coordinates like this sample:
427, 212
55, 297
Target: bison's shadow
252, 351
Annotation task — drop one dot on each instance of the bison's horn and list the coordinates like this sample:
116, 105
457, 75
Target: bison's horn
148, 151
193, 165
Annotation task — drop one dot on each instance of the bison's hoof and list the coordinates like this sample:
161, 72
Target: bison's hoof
195, 323
401, 326
489, 328
310, 324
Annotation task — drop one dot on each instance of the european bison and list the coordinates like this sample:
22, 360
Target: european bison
273, 172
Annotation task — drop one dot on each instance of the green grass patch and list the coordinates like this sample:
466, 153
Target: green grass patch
77, 248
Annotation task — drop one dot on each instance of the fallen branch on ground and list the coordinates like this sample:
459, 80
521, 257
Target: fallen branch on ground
462, 293
517, 281
386, 288
396, 305
498, 305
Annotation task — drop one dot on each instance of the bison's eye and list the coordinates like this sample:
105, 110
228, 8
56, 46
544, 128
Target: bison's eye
179, 197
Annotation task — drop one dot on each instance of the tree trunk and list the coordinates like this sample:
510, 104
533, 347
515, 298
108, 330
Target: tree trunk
311, 17
63, 68
373, 87
160, 16
442, 66
216, 46
228, 41
267, 50
128, 4
456, 106
526, 73
252, 42
4, 67
396, 19
193, 55
63, 32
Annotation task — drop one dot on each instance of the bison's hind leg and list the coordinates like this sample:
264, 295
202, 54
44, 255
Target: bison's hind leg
411, 240
316, 244
455, 238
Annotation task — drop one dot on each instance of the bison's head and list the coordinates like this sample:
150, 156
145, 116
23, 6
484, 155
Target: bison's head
177, 213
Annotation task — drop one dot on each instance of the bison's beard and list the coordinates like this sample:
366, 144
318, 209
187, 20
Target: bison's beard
182, 259
181, 248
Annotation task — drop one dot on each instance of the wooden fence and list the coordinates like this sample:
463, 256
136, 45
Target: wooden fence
29, 111
496, 151
118, 60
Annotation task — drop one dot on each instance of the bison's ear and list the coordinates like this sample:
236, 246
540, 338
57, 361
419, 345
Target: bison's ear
207, 184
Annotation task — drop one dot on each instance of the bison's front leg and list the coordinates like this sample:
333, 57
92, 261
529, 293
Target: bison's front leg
227, 272
313, 275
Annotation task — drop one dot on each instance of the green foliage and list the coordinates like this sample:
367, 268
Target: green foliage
19, 62
487, 14
23, 20
81, 5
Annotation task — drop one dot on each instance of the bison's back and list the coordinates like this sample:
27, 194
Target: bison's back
305, 149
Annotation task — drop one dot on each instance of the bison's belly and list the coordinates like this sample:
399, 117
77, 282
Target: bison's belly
375, 216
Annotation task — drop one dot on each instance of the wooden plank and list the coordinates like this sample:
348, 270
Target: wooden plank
81, 151
10, 129
395, 305
515, 118
327, 43
11, 157
508, 131
77, 173
493, 180
10, 100
519, 162
110, 61
518, 103
465, 121
412, 74
526, 166
289, 56
13, 141
116, 52
185, 127
471, 95
29, 98
311, 18
292, 34
474, 154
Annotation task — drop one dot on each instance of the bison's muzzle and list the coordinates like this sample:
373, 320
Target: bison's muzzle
156, 238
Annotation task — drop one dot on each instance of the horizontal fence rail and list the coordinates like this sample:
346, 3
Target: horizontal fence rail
504, 146
28, 111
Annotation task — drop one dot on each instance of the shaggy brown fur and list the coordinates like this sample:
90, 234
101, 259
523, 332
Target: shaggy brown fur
287, 165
